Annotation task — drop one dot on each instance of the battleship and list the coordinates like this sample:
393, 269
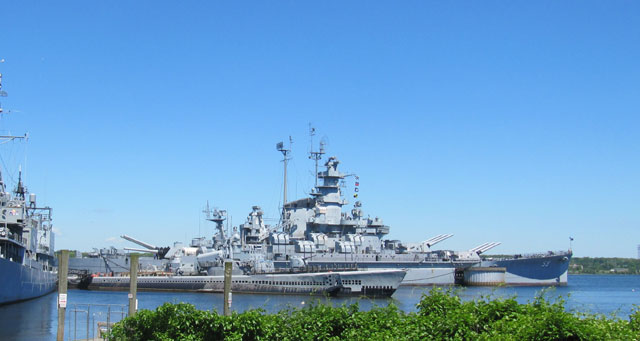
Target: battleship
317, 232
27, 262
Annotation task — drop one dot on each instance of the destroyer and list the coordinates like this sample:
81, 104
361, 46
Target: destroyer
26, 242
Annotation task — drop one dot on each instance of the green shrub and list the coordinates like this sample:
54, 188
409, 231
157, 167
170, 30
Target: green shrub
441, 315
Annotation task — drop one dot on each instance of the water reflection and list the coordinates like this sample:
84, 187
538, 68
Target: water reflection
29, 320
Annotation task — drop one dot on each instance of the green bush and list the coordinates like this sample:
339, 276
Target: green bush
441, 315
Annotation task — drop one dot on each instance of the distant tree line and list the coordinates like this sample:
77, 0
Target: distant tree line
588, 265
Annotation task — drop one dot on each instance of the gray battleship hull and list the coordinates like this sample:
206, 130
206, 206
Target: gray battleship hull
417, 274
531, 272
365, 283
545, 269
20, 282
542, 269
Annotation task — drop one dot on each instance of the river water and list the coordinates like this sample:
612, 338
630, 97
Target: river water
37, 319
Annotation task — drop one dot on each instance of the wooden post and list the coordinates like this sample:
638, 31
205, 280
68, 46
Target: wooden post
228, 266
63, 270
133, 283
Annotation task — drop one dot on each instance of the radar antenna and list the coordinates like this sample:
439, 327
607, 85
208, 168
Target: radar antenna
207, 211
218, 217
2, 93
20, 189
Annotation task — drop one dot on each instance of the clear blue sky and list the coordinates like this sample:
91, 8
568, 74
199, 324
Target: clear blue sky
501, 121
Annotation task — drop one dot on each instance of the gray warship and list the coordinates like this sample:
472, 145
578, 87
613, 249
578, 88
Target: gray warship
316, 232
27, 262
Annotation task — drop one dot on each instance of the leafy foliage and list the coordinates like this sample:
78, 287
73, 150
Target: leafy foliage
441, 315
588, 265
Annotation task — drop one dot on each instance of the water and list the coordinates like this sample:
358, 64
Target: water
37, 319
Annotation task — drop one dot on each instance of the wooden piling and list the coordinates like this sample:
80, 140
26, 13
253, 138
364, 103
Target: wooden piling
63, 270
228, 266
133, 283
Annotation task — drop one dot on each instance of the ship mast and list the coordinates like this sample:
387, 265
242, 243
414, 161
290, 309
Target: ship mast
6, 138
316, 156
285, 158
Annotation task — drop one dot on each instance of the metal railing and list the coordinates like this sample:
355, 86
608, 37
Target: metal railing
14, 237
92, 321
526, 255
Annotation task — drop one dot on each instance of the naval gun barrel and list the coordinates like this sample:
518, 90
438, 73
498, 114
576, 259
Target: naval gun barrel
140, 250
141, 243
484, 247
437, 239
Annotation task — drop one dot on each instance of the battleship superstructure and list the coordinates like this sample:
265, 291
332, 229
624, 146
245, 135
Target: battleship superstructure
27, 262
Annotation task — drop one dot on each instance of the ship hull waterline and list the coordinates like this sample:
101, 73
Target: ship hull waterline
20, 282
543, 270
